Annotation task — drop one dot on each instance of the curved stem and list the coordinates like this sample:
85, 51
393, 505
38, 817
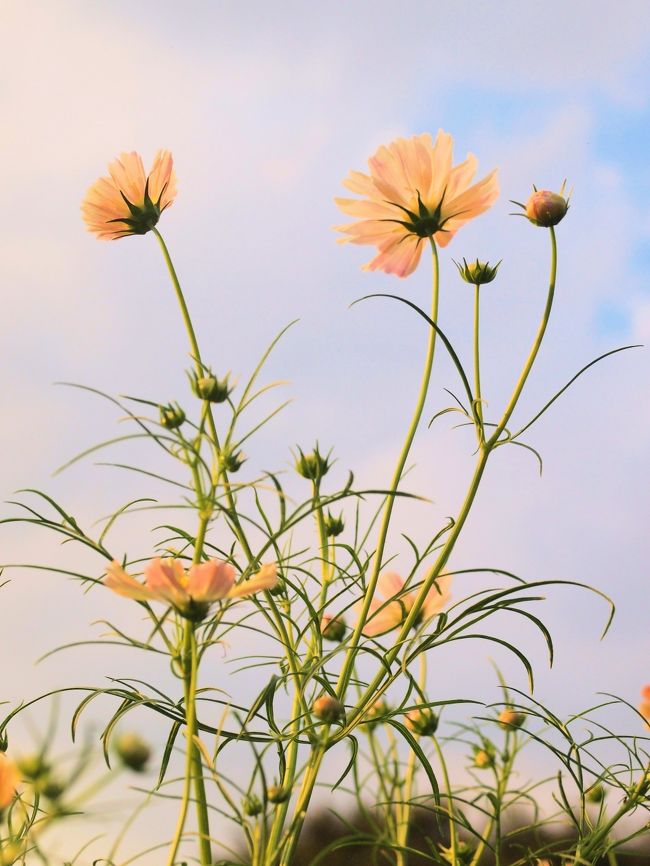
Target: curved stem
477, 366
346, 669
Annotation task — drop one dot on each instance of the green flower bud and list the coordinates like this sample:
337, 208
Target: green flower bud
232, 461
509, 718
277, 794
252, 806
10, 853
333, 628
333, 525
171, 416
209, 387
51, 788
133, 751
423, 722
595, 794
477, 273
484, 758
328, 708
33, 767
312, 466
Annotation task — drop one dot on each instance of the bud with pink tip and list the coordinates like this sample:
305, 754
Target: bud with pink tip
328, 708
332, 627
545, 208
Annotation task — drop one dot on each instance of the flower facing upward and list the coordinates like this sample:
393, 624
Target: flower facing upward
191, 592
9, 779
413, 193
129, 202
390, 607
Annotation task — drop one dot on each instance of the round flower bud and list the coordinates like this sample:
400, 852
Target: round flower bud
510, 718
33, 767
545, 208
51, 788
10, 854
376, 713
209, 387
277, 794
171, 416
328, 708
423, 722
333, 525
483, 759
332, 628
312, 466
252, 806
133, 751
477, 272
595, 794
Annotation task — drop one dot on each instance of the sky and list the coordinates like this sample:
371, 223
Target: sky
266, 109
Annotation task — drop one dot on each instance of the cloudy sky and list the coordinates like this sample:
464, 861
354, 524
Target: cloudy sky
266, 108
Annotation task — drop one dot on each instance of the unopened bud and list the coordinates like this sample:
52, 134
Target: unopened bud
33, 767
510, 718
209, 387
171, 416
423, 722
312, 466
332, 628
277, 794
545, 208
376, 713
252, 806
477, 272
333, 525
133, 751
483, 759
232, 461
328, 708
595, 794
10, 853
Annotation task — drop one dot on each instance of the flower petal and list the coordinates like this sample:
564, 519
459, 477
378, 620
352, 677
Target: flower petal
266, 578
124, 584
9, 780
211, 580
166, 580
438, 596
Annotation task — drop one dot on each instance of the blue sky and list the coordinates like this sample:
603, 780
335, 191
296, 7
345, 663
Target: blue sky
266, 110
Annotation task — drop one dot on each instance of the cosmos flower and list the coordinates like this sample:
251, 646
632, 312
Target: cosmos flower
9, 779
128, 202
391, 604
191, 592
644, 706
413, 193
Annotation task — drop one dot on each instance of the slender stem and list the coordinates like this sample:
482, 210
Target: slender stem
346, 668
453, 832
477, 366
192, 772
405, 807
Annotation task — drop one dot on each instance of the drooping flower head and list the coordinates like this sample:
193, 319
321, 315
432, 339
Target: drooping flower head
411, 194
392, 604
9, 779
129, 202
191, 592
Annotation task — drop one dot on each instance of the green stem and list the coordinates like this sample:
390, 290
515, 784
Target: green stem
348, 663
477, 367
405, 807
453, 832
193, 763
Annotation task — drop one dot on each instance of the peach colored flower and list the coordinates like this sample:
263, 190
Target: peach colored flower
9, 779
391, 604
128, 202
191, 592
413, 193
644, 706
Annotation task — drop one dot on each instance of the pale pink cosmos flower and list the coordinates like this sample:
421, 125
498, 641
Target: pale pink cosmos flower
644, 706
392, 603
413, 193
9, 779
128, 202
190, 592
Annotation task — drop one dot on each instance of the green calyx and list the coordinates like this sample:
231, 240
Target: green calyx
477, 273
143, 217
425, 223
